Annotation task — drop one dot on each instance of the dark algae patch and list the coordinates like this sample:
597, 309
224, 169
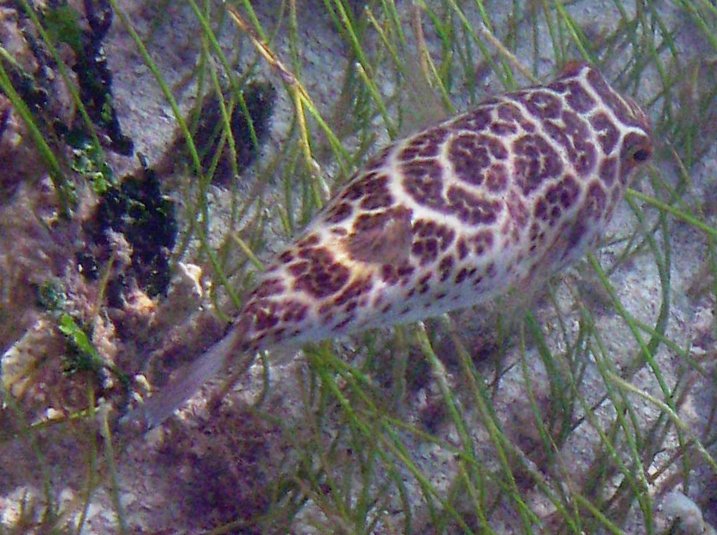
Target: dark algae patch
35, 101
145, 217
228, 466
249, 122
93, 75
64, 25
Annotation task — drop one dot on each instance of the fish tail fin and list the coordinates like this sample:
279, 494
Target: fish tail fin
161, 405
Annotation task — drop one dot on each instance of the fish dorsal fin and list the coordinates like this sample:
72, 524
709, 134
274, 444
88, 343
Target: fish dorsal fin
421, 100
572, 67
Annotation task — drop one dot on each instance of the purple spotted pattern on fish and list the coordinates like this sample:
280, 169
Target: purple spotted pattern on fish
450, 217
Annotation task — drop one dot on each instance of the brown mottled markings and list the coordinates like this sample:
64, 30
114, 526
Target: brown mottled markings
271, 269
269, 287
606, 131
608, 171
286, 257
517, 221
579, 99
508, 228
383, 237
354, 291
405, 272
496, 178
564, 193
547, 212
339, 212
425, 278
445, 267
277, 333
481, 242
379, 160
293, 311
376, 193
423, 181
574, 232
595, 200
371, 184
469, 158
475, 121
581, 149
471, 209
535, 162
462, 248
542, 104
461, 276
318, 274
263, 312
609, 97
309, 241
509, 112
298, 268
537, 235
575, 95
491, 270
422, 284
430, 239
389, 274
502, 128
534, 229
574, 136
424, 145
518, 211
367, 222
344, 322
471, 154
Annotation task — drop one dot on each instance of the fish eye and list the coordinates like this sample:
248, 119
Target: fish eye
641, 155
637, 148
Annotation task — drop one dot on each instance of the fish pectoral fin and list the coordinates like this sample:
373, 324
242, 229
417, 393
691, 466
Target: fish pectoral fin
387, 241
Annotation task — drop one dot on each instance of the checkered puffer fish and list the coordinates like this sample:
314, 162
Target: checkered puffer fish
448, 218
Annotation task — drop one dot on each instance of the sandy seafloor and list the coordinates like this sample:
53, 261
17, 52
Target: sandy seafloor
169, 480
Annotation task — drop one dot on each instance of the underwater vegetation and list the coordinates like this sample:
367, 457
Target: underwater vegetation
145, 218
154, 156
47, 99
94, 78
249, 126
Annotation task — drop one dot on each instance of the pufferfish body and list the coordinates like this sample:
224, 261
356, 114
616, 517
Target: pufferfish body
450, 217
